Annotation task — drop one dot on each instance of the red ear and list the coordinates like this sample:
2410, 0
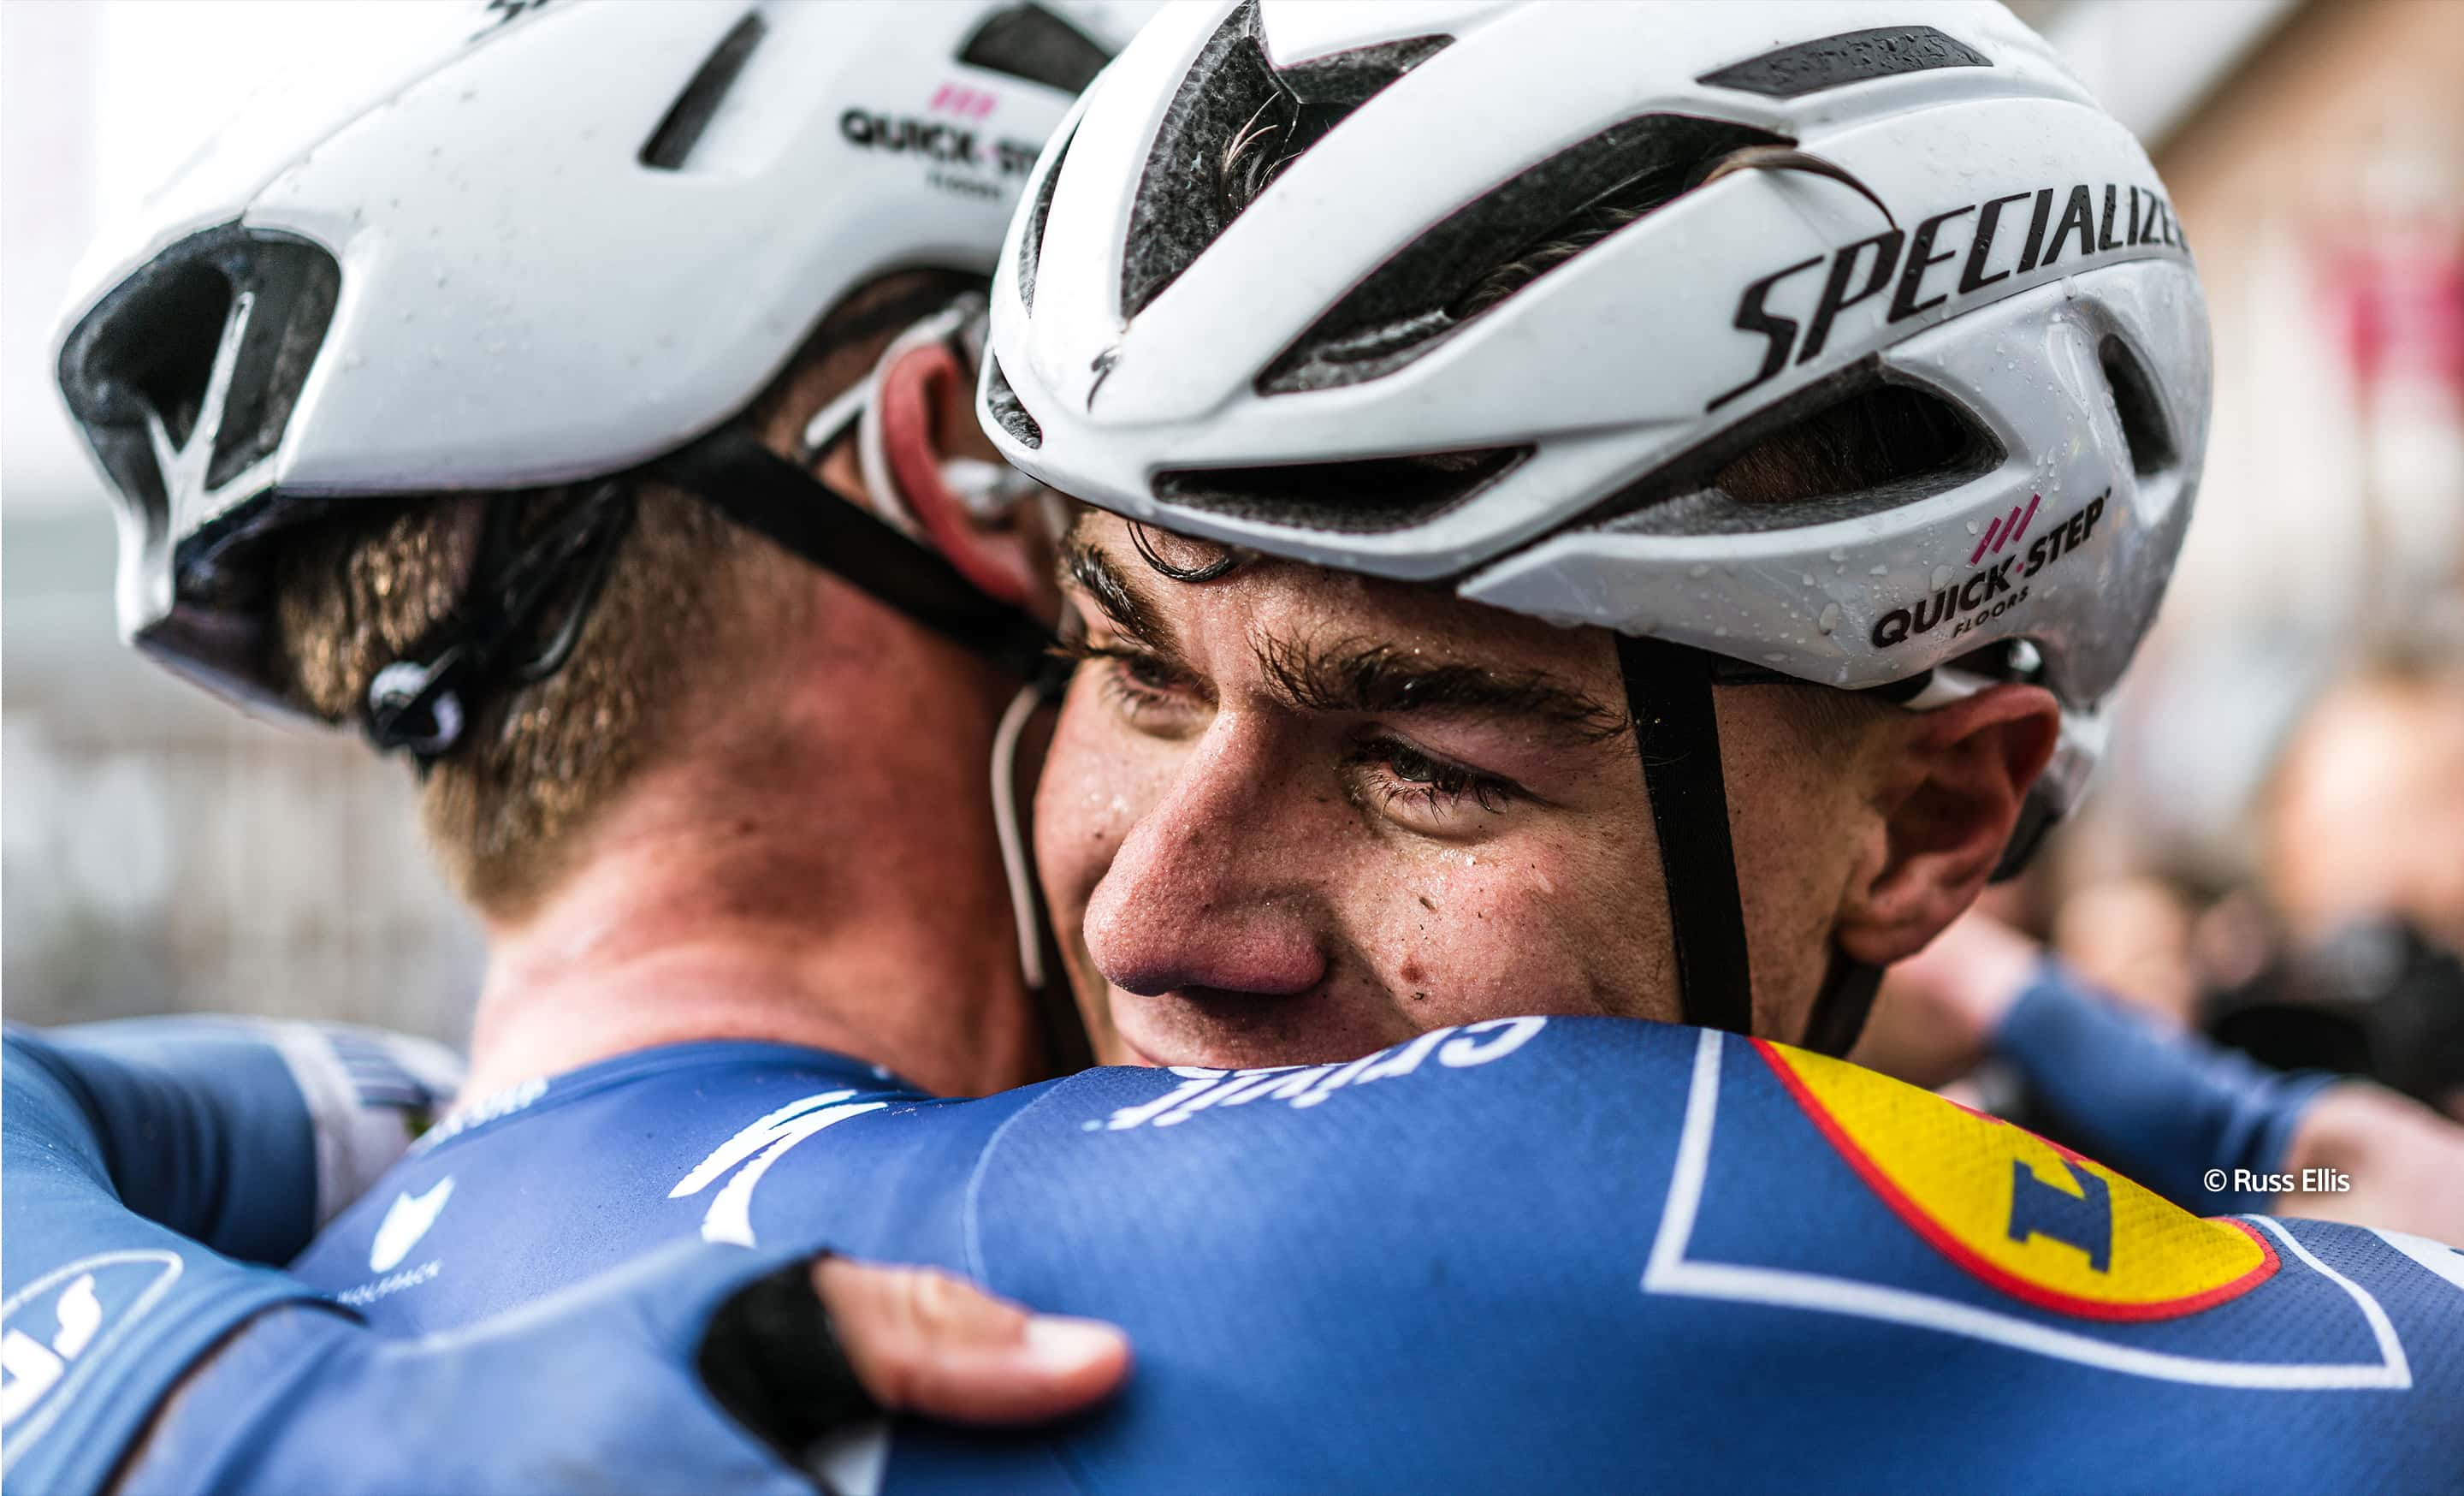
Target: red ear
911, 390
1967, 768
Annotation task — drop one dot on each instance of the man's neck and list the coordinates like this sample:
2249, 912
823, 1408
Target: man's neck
850, 899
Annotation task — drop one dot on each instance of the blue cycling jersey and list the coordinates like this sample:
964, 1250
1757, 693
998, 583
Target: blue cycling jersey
1523, 1254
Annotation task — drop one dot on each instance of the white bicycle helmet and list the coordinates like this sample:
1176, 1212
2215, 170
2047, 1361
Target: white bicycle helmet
573, 239
1846, 206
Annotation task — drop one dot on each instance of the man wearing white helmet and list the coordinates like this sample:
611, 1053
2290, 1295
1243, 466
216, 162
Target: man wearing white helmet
1595, 1248
1842, 381
1804, 380
519, 460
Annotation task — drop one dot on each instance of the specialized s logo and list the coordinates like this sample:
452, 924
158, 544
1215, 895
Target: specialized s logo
2036, 1220
759, 1146
2134, 217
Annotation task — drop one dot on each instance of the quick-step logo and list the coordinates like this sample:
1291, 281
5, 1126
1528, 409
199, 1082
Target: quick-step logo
1989, 594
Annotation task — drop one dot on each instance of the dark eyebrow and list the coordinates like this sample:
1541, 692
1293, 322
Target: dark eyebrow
1355, 674
1130, 611
1362, 676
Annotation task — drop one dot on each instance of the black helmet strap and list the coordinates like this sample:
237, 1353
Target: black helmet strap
1677, 735
735, 473
423, 703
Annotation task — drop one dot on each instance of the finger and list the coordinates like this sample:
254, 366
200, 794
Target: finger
925, 1342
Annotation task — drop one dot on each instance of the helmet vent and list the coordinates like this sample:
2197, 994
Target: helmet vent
1030, 243
2135, 403
1236, 122
213, 339
671, 145
1810, 67
1366, 496
1835, 453
1030, 42
1006, 408
171, 371
1496, 245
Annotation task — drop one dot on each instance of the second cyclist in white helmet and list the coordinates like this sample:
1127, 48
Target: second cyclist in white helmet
1845, 377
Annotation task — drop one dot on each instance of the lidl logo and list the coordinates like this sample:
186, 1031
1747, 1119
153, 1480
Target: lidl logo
2032, 1219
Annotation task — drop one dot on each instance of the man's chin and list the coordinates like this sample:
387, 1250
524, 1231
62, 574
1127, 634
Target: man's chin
1131, 1055
1128, 1027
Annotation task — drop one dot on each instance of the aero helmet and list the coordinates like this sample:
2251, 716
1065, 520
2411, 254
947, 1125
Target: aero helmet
569, 239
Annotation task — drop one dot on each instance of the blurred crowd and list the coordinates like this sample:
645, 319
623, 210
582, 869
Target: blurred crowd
2341, 949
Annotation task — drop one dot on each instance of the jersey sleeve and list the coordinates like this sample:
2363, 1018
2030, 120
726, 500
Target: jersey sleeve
2176, 1113
106, 1310
242, 1134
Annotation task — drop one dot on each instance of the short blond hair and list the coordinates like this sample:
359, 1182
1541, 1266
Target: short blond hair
502, 809
689, 598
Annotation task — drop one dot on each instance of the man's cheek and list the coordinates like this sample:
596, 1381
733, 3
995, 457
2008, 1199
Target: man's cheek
1461, 949
1099, 780
1078, 822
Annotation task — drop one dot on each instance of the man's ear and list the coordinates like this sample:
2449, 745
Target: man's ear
1947, 800
934, 451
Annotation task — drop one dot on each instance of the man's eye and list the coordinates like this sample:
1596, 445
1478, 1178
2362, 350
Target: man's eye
1427, 792
1414, 767
1149, 672
1145, 688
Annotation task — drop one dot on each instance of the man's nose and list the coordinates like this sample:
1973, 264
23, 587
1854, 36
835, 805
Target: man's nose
1208, 888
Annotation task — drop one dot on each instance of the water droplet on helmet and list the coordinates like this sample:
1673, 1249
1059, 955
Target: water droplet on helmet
1942, 575
1830, 618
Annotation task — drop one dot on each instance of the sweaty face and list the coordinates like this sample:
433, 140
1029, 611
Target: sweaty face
1297, 814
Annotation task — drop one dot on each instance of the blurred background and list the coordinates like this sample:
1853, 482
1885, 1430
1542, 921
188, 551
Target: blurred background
2281, 828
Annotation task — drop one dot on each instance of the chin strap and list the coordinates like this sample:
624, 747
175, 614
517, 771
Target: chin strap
735, 473
423, 702
1841, 1008
1676, 734
1668, 690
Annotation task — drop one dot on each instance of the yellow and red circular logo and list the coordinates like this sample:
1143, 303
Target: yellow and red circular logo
2034, 1219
